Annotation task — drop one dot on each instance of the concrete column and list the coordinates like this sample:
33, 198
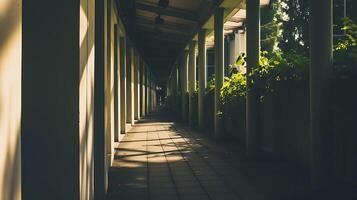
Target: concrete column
143, 89
136, 87
10, 99
191, 81
174, 85
168, 90
219, 70
58, 107
148, 90
184, 84
253, 51
152, 92
100, 164
178, 68
155, 97
202, 77
108, 87
130, 85
321, 59
123, 81
116, 85
175, 81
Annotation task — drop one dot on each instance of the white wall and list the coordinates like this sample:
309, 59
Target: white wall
240, 46
237, 46
241, 43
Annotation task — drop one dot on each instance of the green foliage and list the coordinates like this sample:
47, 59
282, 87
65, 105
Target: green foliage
345, 51
210, 85
238, 65
270, 26
294, 18
277, 68
234, 88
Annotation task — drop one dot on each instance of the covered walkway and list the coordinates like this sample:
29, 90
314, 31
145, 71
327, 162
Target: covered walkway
162, 159
122, 99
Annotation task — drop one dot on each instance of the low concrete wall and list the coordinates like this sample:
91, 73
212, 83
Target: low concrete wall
195, 110
284, 122
234, 121
344, 110
209, 113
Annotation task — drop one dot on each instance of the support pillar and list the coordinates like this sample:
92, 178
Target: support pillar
109, 85
116, 84
11, 67
202, 77
148, 90
184, 87
142, 112
152, 91
142, 82
219, 70
100, 166
123, 81
155, 97
175, 90
136, 87
253, 51
321, 59
130, 85
59, 109
192, 82
175, 81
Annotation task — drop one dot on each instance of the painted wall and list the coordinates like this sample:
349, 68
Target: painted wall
237, 46
10, 98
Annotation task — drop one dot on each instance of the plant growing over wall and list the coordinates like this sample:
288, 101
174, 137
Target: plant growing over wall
278, 68
210, 85
345, 51
234, 87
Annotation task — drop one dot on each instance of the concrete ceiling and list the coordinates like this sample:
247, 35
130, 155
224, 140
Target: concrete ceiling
161, 44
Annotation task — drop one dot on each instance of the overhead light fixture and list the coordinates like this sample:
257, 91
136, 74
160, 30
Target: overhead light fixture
159, 20
164, 3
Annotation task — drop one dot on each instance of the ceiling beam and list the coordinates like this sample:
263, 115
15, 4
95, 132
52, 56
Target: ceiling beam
153, 32
166, 25
165, 29
163, 39
173, 12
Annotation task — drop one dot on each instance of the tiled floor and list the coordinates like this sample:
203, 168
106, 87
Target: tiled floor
159, 159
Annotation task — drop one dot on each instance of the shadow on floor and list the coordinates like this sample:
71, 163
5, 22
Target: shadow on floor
161, 159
